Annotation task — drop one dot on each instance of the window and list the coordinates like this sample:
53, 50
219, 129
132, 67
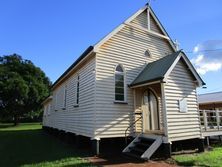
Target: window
147, 53
77, 91
64, 97
119, 84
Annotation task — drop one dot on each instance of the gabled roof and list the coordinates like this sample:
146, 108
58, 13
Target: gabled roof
117, 29
159, 70
215, 97
156, 70
94, 48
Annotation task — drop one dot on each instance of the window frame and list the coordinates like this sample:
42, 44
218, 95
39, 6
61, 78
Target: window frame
147, 53
64, 97
124, 101
77, 91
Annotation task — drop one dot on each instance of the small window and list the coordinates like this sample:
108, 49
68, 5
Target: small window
77, 91
64, 97
147, 53
119, 84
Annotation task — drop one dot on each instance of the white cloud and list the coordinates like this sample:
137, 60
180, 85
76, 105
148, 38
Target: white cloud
196, 48
205, 60
206, 67
198, 59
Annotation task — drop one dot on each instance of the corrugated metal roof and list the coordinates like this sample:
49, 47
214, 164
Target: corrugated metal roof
210, 98
156, 70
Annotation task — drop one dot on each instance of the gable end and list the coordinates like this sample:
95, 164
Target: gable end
187, 62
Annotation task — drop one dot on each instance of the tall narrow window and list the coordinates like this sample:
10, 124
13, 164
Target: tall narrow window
77, 91
64, 97
119, 84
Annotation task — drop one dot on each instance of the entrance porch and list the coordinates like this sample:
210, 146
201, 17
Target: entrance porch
165, 105
148, 127
148, 108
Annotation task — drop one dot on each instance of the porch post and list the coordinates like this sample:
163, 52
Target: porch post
164, 111
95, 146
201, 145
167, 150
205, 120
218, 119
134, 106
134, 99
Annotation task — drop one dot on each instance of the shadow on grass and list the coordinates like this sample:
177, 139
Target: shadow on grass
6, 125
187, 163
190, 163
25, 147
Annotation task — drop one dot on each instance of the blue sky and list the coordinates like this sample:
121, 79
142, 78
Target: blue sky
53, 33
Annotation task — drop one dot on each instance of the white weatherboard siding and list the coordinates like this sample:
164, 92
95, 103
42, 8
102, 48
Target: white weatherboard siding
154, 27
127, 47
78, 120
44, 121
180, 84
46, 113
142, 21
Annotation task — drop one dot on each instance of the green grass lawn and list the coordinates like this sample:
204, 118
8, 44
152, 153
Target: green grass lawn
208, 158
27, 145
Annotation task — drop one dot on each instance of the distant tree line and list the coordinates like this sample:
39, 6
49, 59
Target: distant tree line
23, 87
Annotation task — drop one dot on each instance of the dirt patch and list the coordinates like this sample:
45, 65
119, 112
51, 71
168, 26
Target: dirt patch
123, 161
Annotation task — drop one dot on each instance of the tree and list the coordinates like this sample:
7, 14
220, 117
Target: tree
23, 87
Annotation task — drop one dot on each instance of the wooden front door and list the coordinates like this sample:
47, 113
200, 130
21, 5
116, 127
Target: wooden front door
150, 111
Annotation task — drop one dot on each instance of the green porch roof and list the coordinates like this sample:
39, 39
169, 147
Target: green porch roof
156, 70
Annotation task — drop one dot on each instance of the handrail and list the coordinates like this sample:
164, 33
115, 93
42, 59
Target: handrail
132, 125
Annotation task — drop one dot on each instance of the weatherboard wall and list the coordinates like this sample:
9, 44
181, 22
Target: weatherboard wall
127, 47
180, 84
78, 119
47, 107
98, 115
142, 21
